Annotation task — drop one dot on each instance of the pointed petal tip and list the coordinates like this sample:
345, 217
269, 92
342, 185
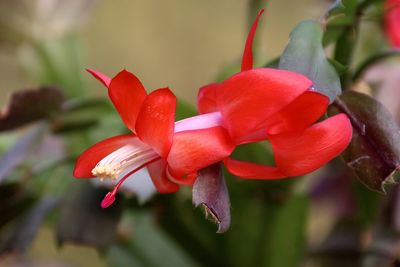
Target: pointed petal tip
104, 79
125, 71
127, 94
247, 58
165, 90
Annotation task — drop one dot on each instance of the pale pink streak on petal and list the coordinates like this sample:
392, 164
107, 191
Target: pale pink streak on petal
208, 120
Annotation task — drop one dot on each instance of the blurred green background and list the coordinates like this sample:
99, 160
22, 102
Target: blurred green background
182, 44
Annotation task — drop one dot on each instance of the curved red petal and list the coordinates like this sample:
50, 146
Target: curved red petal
104, 79
188, 179
299, 114
207, 98
155, 123
247, 59
90, 157
249, 170
127, 93
299, 153
157, 171
196, 149
248, 99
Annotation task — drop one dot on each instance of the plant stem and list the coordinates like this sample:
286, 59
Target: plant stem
374, 60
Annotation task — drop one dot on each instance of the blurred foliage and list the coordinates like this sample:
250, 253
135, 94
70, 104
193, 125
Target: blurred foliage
269, 218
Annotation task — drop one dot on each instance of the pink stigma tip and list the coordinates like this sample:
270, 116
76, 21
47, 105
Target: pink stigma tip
108, 200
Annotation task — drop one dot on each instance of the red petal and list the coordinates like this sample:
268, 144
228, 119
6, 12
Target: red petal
101, 77
298, 115
196, 149
182, 180
247, 59
90, 157
155, 123
248, 99
157, 171
392, 22
249, 170
302, 152
207, 98
127, 93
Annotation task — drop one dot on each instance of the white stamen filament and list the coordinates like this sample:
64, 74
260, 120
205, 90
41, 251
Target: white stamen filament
122, 160
127, 160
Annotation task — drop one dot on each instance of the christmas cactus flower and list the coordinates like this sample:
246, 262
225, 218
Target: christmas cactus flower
253, 105
392, 22
172, 152
279, 106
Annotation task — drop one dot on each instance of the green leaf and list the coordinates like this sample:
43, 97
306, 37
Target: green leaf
335, 9
305, 54
268, 226
374, 152
83, 221
189, 229
249, 226
345, 46
340, 69
145, 245
286, 233
367, 201
57, 62
375, 59
332, 34
122, 256
27, 106
264, 203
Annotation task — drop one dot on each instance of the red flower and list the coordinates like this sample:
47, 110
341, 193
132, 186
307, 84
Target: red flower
253, 105
392, 22
281, 107
172, 152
